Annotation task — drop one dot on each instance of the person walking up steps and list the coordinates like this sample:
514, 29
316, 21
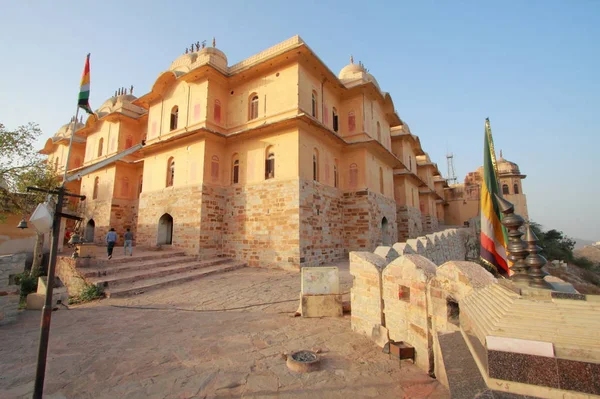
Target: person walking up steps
111, 239
128, 243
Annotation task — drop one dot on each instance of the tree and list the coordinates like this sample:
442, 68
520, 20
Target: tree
555, 244
21, 167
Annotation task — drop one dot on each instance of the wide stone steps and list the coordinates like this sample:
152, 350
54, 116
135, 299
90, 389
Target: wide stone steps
134, 265
142, 258
149, 284
153, 271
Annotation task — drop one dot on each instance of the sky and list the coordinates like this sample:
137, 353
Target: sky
532, 67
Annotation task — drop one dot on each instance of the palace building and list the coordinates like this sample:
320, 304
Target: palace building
275, 160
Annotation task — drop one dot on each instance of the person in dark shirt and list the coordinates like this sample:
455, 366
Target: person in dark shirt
128, 243
111, 240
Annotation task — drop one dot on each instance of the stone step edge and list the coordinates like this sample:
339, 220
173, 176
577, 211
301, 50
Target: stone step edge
191, 276
159, 255
154, 272
123, 267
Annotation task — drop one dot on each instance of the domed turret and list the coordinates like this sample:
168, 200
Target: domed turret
353, 74
66, 130
506, 167
121, 102
198, 56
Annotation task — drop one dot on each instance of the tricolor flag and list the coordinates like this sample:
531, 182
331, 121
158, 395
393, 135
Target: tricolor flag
493, 236
84, 90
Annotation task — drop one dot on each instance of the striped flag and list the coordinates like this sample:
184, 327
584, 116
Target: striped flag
493, 236
84, 90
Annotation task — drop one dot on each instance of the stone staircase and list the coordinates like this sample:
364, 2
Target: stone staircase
138, 274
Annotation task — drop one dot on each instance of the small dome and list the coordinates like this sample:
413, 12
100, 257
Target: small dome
120, 103
208, 55
349, 71
66, 130
507, 167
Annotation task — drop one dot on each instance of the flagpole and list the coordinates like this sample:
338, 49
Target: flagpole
70, 144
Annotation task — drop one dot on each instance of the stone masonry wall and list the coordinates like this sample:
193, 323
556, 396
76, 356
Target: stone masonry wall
409, 222
261, 223
321, 223
10, 265
430, 223
211, 225
183, 204
100, 211
123, 215
363, 215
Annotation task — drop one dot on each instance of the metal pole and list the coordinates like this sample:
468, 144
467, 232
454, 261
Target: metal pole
70, 145
47, 310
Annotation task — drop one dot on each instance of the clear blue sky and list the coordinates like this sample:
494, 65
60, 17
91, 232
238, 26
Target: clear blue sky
531, 66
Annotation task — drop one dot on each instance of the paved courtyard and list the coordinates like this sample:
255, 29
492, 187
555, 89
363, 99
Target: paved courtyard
219, 337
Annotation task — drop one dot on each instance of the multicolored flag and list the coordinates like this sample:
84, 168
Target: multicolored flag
84, 90
493, 235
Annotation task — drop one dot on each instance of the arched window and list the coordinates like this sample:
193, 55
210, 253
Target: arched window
378, 131
253, 107
505, 189
381, 180
174, 117
270, 163
214, 168
335, 120
410, 163
335, 173
353, 175
125, 187
128, 142
56, 164
77, 162
96, 186
235, 170
170, 172
351, 121
315, 165
315, 104
100, 145
217, 111
516, 188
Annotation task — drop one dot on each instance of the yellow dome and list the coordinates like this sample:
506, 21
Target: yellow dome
66, 130
349, 70
207, 55
507, 167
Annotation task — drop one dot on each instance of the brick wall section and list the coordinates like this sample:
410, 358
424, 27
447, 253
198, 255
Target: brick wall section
123, 215
404, 295
262, 223
66, 271
363, 214
365, 295
409, 222
321, 223
183, 204
100, 211
430, 223
211, 221
9, 293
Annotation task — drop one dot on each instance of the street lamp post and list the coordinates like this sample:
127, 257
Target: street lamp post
40, 372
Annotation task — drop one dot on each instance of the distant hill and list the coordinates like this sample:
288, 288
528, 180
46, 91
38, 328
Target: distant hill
590, 252
579, 243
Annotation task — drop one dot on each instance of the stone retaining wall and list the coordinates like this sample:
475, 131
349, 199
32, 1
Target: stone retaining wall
10, 265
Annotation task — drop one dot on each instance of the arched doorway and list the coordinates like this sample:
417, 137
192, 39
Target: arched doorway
89, 230
384, 231
165, 230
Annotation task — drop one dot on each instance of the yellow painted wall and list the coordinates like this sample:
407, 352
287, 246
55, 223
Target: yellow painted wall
127, 181
277, 92
106, 183
109, 133
406, 192
189, 160
328, 155
373, 172
460, 211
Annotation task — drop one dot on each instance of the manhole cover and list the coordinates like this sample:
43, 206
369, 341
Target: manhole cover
303, 361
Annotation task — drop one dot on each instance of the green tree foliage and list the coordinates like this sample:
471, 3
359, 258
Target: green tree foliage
21, 167
555, 244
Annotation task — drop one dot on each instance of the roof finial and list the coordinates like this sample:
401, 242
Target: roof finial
115, 93
186, 50
214, 42
203, 43
351, 59
197, 46
500, 153
131, 90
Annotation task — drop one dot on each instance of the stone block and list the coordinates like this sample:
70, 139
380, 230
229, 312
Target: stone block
403, 248
320, 281
87, 250
322, 306
380, 335
35, 301
387, 253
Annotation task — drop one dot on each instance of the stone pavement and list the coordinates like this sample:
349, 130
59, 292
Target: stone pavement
218, 337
